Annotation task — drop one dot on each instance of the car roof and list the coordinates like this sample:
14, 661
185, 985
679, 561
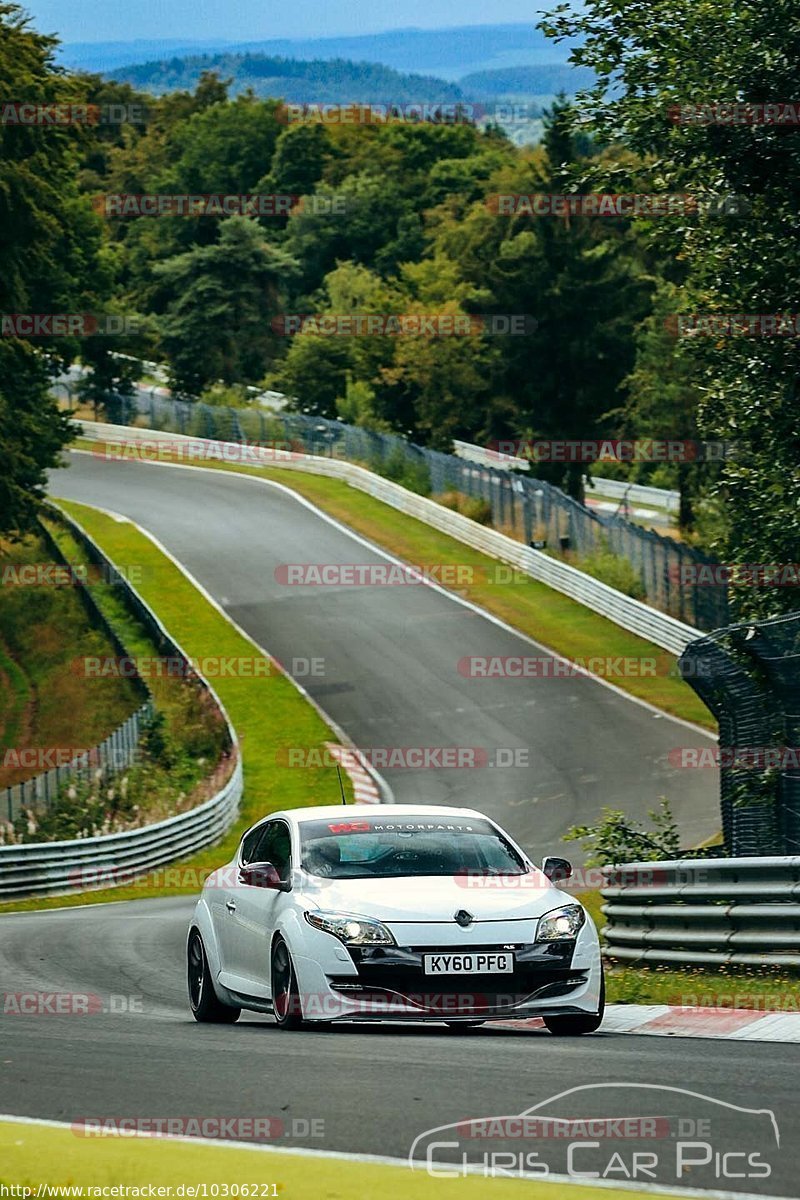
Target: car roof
430, 812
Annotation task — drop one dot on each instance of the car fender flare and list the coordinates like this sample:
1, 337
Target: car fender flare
202, 922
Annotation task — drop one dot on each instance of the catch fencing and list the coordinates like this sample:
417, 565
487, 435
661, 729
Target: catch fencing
528, 509
748, 675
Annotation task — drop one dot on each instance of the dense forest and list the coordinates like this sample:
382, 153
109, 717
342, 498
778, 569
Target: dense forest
334, 81
402, 217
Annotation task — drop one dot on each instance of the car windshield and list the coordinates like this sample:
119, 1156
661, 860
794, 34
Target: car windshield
406, 846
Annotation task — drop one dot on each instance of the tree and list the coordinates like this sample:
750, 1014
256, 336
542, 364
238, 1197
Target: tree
48, 246
650, 72
580, 279
222, 299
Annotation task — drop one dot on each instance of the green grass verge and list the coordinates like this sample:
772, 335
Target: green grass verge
44, 629
15, 697
569, 628
269, 714
32, 1155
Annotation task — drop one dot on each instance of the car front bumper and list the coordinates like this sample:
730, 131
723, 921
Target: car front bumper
389, 983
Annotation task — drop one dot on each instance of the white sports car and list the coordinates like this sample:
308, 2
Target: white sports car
412, 913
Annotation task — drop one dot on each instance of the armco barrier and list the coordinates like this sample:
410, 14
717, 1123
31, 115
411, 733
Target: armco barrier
634, 493
39, 867
656, 627
598, 485
704, 912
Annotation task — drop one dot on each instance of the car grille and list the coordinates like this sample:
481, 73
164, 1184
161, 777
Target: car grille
541, 971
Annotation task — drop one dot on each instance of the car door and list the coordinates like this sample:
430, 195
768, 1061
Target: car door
224, 903
258, 908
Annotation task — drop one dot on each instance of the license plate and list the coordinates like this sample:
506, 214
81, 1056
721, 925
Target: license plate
475, 962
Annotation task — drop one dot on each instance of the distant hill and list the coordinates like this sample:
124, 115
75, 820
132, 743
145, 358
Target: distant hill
546, 80
322, 82
447, 53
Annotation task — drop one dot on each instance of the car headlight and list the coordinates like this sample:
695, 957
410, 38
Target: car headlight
353, 931
564, 922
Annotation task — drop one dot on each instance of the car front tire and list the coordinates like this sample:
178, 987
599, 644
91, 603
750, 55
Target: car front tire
570, 1026
285, 993
205, 1004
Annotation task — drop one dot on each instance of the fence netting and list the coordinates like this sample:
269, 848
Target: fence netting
748, 675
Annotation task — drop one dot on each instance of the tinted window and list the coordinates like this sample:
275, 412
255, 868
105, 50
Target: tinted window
249, 843
371, 848
275, 847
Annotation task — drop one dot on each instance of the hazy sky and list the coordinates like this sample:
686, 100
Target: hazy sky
252, 20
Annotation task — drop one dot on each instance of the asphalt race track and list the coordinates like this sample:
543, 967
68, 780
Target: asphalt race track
391, 679
391, 659
376, 1089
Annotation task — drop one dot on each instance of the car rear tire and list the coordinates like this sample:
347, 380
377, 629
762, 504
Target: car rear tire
205, 1004
285, 993
585, 1023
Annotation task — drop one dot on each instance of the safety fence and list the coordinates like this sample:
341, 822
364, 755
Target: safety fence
530, 509
704, 912
748, 675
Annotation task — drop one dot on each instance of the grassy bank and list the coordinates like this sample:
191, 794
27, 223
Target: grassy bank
181, 759
44, 631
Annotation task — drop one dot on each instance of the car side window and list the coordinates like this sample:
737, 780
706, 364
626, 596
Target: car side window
250, 843
275, 846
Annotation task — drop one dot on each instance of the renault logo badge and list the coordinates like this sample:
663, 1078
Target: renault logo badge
464, 918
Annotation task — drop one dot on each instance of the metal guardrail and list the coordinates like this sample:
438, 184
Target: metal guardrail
636, 493
40, 867
656, 627
598, 485
704, 912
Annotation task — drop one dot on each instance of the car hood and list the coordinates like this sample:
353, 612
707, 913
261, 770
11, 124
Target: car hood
432, 899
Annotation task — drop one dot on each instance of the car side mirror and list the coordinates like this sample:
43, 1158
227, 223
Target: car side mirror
264, 875
557, 870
